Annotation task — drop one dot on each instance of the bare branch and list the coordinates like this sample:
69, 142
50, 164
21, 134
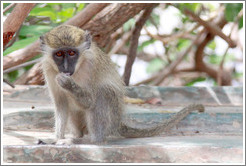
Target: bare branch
33, 76
212, 28
166, 71
119, 45
20, 56
134, 43
24, 54
111, 18
199, 63
9, 83
8, 7
219, 76
14, 21
17, 17
86, 14
21, 65
165, 39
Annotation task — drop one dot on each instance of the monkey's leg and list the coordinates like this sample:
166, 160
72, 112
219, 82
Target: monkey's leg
77, 124
82, 96
61, 116
60, 124
99, 119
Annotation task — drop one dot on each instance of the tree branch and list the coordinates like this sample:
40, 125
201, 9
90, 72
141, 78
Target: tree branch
8, 7
17, 17
111, 18
14, 21
219, 76
212, 28
134, 43
199, 63
166, 71
122, 42
33, 76
86, 14
21, 65
24, 54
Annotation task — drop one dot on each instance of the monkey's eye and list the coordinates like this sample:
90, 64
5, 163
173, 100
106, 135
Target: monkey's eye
59, 53
71, 53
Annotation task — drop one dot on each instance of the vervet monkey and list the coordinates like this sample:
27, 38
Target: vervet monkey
87, 91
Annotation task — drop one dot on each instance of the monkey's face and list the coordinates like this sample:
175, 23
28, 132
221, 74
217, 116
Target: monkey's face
66, 59
65, 46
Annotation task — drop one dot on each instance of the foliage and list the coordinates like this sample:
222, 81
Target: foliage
195, 7
56, 13
45, 16
231, 12
42, 18
193, 82
155, 65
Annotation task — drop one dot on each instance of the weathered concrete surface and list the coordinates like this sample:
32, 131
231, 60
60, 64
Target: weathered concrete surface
214, 136
181, 149
214, 120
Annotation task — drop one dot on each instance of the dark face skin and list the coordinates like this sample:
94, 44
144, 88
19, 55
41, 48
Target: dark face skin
66, 59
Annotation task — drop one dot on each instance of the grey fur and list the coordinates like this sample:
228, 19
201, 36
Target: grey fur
92, 98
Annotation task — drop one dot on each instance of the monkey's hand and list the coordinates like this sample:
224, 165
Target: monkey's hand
83, 96
65, 81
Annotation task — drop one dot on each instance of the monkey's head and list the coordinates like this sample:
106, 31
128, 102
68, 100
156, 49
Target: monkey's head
64, 45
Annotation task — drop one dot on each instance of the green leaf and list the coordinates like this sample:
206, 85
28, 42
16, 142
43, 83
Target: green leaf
145, 43
183, 43
13, 75
34, 30
54, 4
65, 14
48, 13
155, 65
238, 75
129, 24
194, 7
212, 45
68, 5
240, 23
214, 59
5, 5
20, 44
80, 6
232, 10
199, 79
155, 18
36, 10
210, 6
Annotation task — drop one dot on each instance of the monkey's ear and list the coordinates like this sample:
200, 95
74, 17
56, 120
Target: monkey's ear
42, 42
87, 39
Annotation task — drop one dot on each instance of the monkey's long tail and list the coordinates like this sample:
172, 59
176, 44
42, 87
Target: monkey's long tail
130, 132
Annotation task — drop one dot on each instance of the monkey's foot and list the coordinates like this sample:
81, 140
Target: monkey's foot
67, 141
45, 142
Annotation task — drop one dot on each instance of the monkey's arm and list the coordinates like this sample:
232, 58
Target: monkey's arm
130, 132
82, 96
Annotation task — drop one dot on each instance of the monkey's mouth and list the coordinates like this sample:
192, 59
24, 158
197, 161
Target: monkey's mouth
67, 73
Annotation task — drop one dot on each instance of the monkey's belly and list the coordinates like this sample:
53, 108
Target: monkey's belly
73, 104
